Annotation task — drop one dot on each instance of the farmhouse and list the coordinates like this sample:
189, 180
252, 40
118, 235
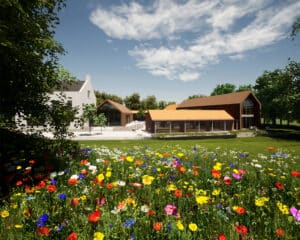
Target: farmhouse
244, 107
77, 94
115, 113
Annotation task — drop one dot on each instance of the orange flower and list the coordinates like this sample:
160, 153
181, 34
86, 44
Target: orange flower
157, 226
41, 184
106, 162
166, 154
280, 232
51, 188
150, 212
178, 193
84, 161
138, 162
196, 173
181, 169
29, 189
94, 217
109, 186
271, 149
215, 173
31, 161
240, 210
84, 171
44, 231
75, 201
72, 181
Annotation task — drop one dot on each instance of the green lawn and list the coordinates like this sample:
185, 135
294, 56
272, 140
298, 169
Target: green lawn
251, 145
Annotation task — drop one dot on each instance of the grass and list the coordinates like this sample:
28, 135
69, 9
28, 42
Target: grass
251, 145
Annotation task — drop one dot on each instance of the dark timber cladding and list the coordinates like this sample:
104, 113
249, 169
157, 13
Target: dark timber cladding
244, 107
171, 121
116, 113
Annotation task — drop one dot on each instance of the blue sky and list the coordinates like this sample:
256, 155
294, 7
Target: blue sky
174, 49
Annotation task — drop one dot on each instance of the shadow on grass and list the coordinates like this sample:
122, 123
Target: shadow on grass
26, 160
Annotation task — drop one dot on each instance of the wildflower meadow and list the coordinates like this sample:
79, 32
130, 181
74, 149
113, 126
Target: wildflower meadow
167, 193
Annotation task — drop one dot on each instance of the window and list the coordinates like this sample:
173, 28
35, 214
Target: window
88, 93
248, 106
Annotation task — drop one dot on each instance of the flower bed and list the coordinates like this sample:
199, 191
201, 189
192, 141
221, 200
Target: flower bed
170, 193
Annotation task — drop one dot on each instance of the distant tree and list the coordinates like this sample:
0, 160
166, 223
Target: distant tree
150, 103
100, 120
197, 96
102, 96
133, 102
89, 114
295, 28
223, 89
161, 104
29, 56
247, 87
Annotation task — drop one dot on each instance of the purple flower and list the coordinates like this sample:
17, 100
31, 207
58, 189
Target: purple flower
129, 223
53, 181
42, 220
62, 196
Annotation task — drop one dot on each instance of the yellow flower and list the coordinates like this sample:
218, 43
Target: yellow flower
259, 202
108, 174
218, 166
283, 208
235, 171
83, 198
216, 192
14, 205
100, 177
200, 192
4, 213
171, 187
193, 227
202, 199
147, 180
129, 159
180, 154
98, 236
18, 226
180, 225
19, 167
283, 177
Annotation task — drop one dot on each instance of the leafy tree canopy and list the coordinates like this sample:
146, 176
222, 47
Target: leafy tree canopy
29, 55
223, 89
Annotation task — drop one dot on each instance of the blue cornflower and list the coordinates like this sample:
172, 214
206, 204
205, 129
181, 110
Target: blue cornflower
169, 227
62, 196
231, 165
81, 176
53, 181
129, 223
42, 220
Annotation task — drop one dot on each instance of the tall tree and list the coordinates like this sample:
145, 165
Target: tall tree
223, 89
246, 87
150, 103
295, 28
133, 101
102, 96
29, 55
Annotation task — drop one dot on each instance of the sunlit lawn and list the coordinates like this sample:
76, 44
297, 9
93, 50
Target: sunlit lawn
247, 188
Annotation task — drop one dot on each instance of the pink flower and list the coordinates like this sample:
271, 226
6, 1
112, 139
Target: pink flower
236, 176
296, 213
170, 209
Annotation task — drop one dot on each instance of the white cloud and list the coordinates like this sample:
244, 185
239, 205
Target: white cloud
221, 28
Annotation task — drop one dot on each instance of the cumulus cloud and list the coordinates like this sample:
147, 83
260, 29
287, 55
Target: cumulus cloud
219, 28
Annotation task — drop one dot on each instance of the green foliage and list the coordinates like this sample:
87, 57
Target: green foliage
246, 87
223, 89
29, 55
149, 103
197, 96
90, 114
278, 92
102, 96
295, 28
133, 101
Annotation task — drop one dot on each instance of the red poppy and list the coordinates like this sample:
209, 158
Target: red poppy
19, 183
178, 193
227, 180
44, 231
295, 174
41, 184
280, 232
72, 236
72, 181
157, 226
94, 217
222, 237
215, 173
241, 229
51, 188
31, 161
109, 186
150, 212
279, 185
